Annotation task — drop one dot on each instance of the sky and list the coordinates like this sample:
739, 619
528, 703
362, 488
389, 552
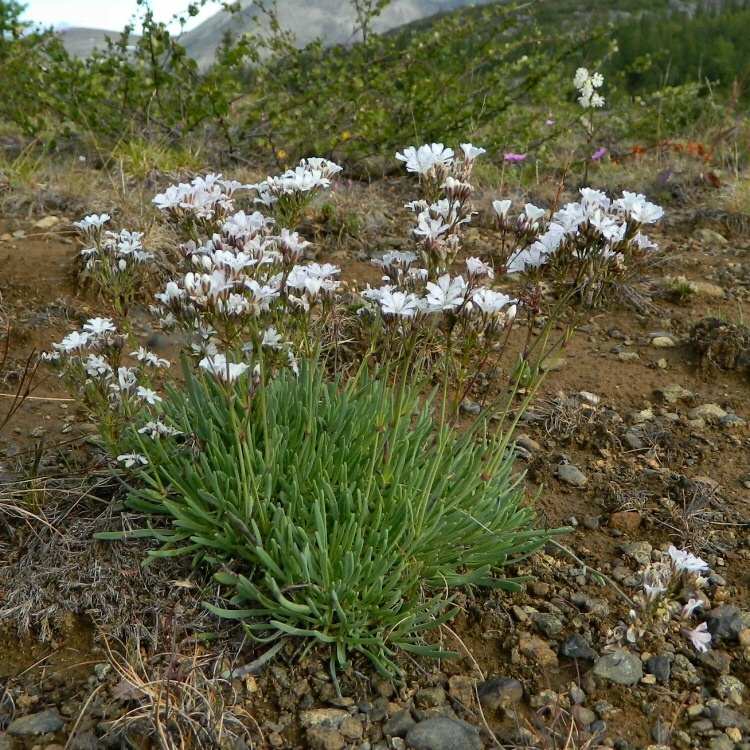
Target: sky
112, 15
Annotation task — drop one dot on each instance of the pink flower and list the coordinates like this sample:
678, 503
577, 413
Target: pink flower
515, 157
699, 636
598, 154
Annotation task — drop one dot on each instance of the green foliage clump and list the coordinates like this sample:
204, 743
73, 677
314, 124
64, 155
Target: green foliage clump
331, 510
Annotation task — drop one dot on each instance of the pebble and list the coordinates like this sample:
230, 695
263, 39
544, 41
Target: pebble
663, 342
351, 728
399, 724
442, 733
583, 716
500, 693
44, 722
548, 625
731, 421
325, 738
620, 667
633, 441
674, 392
572, 475
47, 222
590, 522
708, 412
638, 551
470, 407
659, 666
597, 607
722, 742
577, 647
528, 443
537, 651
708, 236
628, 356
7, 742
730, 689
329, 717
430, 697
725, 622
722, 717
625, 520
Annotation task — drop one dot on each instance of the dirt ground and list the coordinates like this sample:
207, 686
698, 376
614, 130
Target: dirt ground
655, 472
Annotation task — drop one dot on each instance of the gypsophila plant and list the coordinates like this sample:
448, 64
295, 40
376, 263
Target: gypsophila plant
590, 99
340, 510
671, 592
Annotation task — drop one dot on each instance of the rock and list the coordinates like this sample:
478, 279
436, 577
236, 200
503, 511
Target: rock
571, 475
528, 443
577, 647
708, 237
722, 717
597, 607
725, 622
638, 551
555, 365
590, 522
663, 342
45, 722
351, 729
625, 520
722, 742
711, 413
589, 398
628, 356
47, 222
548, 625
633, 441
704, 289
470, 407
583, 716
7, 742
399, 724
430, 697
325, 738
674, 392
537, 651
500, 692
732, 421
659, 666
730, 689
328, 717
620, 667
441, 733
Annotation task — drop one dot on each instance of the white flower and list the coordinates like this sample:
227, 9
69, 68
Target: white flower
644, 243
531, 257
447, 294
172, 294
490, 302
423, 160
638, 208
533, 213
226, 372
73, 341
686, 561
149, 358
591, 197
501, 208
654, 590
157, 429
132, 459
148, 395
690, 607
477, 268
272, 338
172, 197
700, 637
96, 365
94, 221
586, 84
242, 223
99, 326
126, 380
399, 304
429, 228
471, 152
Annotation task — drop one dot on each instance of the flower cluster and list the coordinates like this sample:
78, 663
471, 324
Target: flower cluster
446, 207
587, 83
672, 588
287, 195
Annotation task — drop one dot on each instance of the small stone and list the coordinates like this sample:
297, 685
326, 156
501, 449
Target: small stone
620, 667
430, 697
725, 622
351, 728
44, 722
662, 363
663, 342
734, 734
325, 738
7, 742
548, 625
625, 521
598, 607
537, 651
470, 407
442, 733
590, 522
577, 647
732, 421
500, 692
710, 413
329, 717
638, 551
560, 363
722, 717
461, 688
659, 666
707, 236
583, 716
399, 724
47, 222
84, 741
528, 443
633, 441
589, 398
572, 475
721, 742
730, 689
674, 392
704, 289
628, 356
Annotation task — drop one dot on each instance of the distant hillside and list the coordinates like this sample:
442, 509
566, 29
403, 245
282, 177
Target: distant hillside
81, 42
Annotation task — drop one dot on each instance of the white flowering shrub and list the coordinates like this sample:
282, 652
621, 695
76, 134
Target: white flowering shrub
334, 505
